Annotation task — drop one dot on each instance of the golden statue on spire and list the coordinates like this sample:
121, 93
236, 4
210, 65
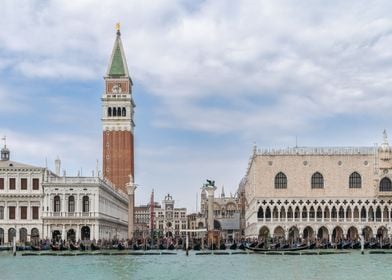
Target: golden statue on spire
118, 27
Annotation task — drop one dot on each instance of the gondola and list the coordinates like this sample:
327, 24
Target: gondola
213, 247
385, 246
171, 247
374, 245
322, 246
274, 246
95, 247
135, 247
73, 247
295, 248
82, 247
196, 247
54, 247
233, 246
356, 245
312, 246
242, 246
222, 246
161, 247
35, 248
120, 246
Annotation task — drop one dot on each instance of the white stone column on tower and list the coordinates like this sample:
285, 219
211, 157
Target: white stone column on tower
131, 187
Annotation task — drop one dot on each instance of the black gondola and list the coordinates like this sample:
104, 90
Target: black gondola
54, 247
161, 247
312, 246
135, 247
35, 248
374, 245
222, 246
356, 245
171, 247
295, 248
233, 246
82, 247
120, 246
213, 247
73, 247
242, 246
95, 247
196, 247
385, 246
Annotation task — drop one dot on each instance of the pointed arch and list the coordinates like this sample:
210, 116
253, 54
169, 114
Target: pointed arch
385, 185
317, 181
356, 214
275, 213
341, 213
327, 214
363, 214
297, 214
319, 214
290, 214
260, 213
311, 214
268, 214
378, 214
348, 214
334, 214
355, 181
371, 214
282, 214
304, 213
280, 181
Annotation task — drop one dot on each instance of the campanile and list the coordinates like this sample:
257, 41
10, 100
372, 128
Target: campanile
117, 119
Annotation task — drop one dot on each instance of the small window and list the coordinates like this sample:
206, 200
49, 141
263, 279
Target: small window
35, 184
385, 185
317, 181
35, 212
1, 212
23, 184
23, 212
280, 181
1, 183
56, 204
71, 204
11, 212
114, 112
12, 184
124, 112
86, 204
109, 112
355, 181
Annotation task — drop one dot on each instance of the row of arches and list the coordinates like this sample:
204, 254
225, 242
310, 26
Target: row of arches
322, 233
117, 112
23, 235
324, 214
71, 204
71, 234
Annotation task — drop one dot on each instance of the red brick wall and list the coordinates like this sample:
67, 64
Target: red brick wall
120, 161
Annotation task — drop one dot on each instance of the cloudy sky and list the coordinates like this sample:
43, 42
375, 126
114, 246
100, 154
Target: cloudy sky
211, 78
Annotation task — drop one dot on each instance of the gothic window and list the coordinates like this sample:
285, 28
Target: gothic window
355, 181
56, 204
260, 213
86, 204
109, 112
317, 181
385, 185
124, 112
119, 112
280, 181
114, 112
71, 204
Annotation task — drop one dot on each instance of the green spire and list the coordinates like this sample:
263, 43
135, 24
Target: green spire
118, 64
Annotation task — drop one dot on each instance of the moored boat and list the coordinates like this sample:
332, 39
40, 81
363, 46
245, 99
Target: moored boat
95, 247
233, 246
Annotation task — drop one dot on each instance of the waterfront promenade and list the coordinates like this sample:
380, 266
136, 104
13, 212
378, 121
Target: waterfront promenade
350, 265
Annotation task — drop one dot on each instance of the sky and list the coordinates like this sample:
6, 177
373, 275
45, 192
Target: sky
211, 80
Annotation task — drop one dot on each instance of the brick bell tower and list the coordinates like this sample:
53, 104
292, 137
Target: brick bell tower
117, 120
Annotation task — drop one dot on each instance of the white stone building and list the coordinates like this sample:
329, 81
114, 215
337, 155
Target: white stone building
21, 195
83, 208
327, 193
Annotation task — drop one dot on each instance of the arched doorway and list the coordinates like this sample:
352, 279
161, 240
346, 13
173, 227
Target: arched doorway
308, 233
71, 235
56, 236
337, 234
323, 234
352, 233
11, 234
264, 233
1, 236
368, 233
382, 233
279, 232
85, 233
23, 235
34, 236
293, 234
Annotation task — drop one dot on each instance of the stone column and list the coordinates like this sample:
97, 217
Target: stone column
210, 195
131, 187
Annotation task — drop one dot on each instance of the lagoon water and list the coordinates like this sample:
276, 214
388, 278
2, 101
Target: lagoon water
254, 266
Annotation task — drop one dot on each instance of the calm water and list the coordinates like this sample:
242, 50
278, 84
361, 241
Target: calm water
347, 266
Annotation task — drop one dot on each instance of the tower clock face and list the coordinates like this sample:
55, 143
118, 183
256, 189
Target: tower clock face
116, 89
